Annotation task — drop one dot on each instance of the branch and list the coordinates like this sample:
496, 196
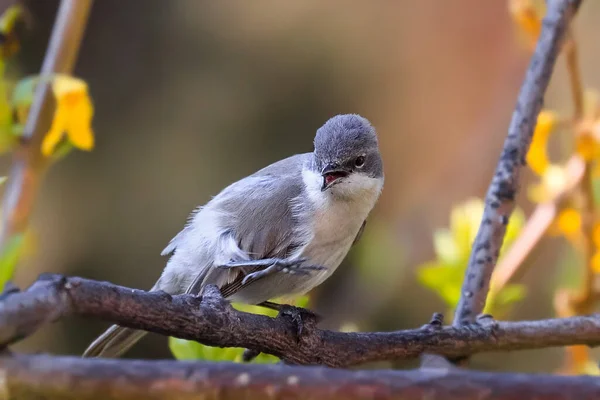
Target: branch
44, 377
213, 321
500, 198
28, 163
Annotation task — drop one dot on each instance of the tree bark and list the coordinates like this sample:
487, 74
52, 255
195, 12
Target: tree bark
57, 378
213, 321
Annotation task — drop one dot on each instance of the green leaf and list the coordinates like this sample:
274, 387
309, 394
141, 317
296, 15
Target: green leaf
464, 222
22, 95
510, 294
62, 149
452, 246
596, 189
9, 258
444, 280
190, 350
445, 247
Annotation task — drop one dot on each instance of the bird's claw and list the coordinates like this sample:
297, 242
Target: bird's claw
273, 265
301, 317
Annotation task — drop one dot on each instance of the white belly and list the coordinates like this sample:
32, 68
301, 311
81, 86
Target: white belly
336, 220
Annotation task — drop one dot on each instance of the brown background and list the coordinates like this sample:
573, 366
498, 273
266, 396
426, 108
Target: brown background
191, 95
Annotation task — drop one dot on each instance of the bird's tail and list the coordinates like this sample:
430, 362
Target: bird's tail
114, 342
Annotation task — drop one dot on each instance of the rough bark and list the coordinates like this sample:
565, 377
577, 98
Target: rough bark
211, 320
57, 378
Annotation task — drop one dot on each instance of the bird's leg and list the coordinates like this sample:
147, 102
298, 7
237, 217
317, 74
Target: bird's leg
300, 316
270, 305
273, 265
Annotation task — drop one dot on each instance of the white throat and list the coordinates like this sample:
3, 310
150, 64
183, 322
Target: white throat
356, 194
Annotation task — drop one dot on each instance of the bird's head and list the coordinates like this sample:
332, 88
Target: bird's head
347, 155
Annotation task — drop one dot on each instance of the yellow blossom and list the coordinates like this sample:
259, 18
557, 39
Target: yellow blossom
587, 146
569, 221
553, 181
537, 156
73, 115
596, 235
595, 262
528, 14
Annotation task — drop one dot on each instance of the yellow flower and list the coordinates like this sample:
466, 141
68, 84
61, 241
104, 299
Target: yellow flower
528, 14
553, 181
72, 117
595, 262
569, 222
586, 144
537, 157
596, 234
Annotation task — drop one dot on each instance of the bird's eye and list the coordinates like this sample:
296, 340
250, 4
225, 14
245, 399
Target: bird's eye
359, 162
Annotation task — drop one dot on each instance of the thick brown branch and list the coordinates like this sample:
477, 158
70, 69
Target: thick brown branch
44, 377
211, 320
500, 198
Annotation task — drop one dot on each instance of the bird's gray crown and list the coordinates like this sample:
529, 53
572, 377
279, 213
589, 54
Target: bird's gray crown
343, 138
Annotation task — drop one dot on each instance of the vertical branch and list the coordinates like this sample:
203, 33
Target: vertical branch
29, 165
572, 57
581, 302
500, 198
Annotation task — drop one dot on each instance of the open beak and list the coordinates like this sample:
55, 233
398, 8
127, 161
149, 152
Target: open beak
332, 174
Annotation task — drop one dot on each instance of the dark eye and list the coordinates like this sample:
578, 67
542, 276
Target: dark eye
359, 162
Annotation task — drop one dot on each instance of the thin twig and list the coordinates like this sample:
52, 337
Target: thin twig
500, 198
572, 58
211, 320
29, 165
583, 301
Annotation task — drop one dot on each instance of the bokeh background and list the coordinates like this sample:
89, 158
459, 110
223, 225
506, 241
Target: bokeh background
191, 95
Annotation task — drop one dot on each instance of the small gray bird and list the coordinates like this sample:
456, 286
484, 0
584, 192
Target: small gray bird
279, 232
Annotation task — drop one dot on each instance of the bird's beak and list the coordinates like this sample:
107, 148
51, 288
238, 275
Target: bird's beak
332, 174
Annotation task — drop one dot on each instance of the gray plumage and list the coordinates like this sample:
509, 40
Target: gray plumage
306, 209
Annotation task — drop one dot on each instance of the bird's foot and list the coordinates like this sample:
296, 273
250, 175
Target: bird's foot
273, 265
302, 318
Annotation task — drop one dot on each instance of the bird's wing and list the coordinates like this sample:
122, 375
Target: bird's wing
266, 209
260, 213
266, 215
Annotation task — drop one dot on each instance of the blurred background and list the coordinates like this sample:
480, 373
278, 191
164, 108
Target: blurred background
191, 95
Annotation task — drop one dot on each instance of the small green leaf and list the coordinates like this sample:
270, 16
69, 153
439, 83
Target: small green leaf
444, 280
452, 246
510, 294
445, 247
596, 189
9, 258
22, 95
190, 350
62, 149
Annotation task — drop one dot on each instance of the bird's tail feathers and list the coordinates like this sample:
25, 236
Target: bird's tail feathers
114, 342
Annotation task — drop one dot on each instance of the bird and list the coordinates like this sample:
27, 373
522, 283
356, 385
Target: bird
278, 232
